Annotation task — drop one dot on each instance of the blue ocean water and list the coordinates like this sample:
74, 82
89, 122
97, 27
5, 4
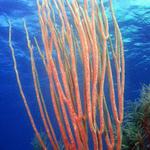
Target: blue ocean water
15, 129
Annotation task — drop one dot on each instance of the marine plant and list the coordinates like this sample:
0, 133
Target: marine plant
82, 44
136, 128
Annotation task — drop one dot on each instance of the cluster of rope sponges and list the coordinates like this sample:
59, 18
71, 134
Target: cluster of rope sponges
83, 43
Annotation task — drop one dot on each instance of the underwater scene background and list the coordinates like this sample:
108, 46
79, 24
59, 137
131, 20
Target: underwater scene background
16, 132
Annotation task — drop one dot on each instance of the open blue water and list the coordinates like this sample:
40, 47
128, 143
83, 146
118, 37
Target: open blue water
15, 129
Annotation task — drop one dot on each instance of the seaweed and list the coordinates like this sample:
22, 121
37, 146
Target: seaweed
136, 129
